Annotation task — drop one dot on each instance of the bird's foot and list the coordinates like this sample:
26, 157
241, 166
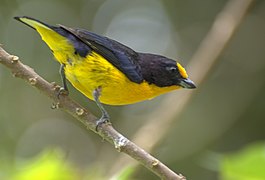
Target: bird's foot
102, 120
62, 91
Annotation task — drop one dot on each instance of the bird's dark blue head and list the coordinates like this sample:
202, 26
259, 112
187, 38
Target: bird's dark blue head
163, 71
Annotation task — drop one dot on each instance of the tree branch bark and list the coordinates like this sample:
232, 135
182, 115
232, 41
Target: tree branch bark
106, 131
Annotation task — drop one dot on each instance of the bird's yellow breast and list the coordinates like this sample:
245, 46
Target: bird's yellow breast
93, 71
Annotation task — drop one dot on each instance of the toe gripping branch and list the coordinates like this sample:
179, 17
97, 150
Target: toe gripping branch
105, 116
63, 90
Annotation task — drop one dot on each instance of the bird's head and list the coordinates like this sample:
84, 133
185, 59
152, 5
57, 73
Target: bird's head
164, 72
181, 77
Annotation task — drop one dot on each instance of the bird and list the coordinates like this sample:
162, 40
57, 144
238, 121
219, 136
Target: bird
105, 70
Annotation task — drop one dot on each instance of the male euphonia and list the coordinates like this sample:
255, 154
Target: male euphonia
107, 71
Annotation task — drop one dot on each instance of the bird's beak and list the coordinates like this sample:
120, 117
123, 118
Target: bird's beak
187, 83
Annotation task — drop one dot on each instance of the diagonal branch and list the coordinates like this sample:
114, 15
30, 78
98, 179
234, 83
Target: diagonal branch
106, 131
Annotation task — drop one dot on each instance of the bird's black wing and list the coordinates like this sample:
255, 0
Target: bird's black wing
121, 56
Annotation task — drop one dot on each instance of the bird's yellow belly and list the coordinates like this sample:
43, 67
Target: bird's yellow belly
116, 89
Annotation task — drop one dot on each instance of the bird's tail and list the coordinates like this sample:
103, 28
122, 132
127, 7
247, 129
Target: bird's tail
55, 37
33, 23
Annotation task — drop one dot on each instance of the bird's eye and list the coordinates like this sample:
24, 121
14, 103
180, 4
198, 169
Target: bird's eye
172, 69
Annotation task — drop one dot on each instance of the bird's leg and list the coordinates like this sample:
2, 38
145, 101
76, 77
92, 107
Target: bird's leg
63, 90
105, 116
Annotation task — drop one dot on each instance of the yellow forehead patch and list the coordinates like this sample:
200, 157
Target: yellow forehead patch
182, 71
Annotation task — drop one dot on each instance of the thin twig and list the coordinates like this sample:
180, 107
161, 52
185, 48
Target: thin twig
222, 30
106, 131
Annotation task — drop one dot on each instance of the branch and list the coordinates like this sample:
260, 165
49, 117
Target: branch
106, 131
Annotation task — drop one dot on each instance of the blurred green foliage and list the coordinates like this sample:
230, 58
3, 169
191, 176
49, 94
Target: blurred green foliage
47, 165
247, 164
226, 114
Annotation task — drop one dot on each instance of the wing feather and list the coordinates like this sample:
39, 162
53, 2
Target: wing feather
121, 56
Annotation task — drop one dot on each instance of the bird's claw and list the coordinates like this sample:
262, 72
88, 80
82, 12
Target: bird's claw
102, 120
62, 91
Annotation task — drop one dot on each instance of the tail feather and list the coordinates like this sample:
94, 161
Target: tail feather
33, 23
53, 36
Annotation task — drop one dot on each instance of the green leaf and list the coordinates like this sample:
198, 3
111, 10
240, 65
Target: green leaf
49, 165
247, 164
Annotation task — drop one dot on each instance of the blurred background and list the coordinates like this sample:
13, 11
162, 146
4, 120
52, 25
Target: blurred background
221, 127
